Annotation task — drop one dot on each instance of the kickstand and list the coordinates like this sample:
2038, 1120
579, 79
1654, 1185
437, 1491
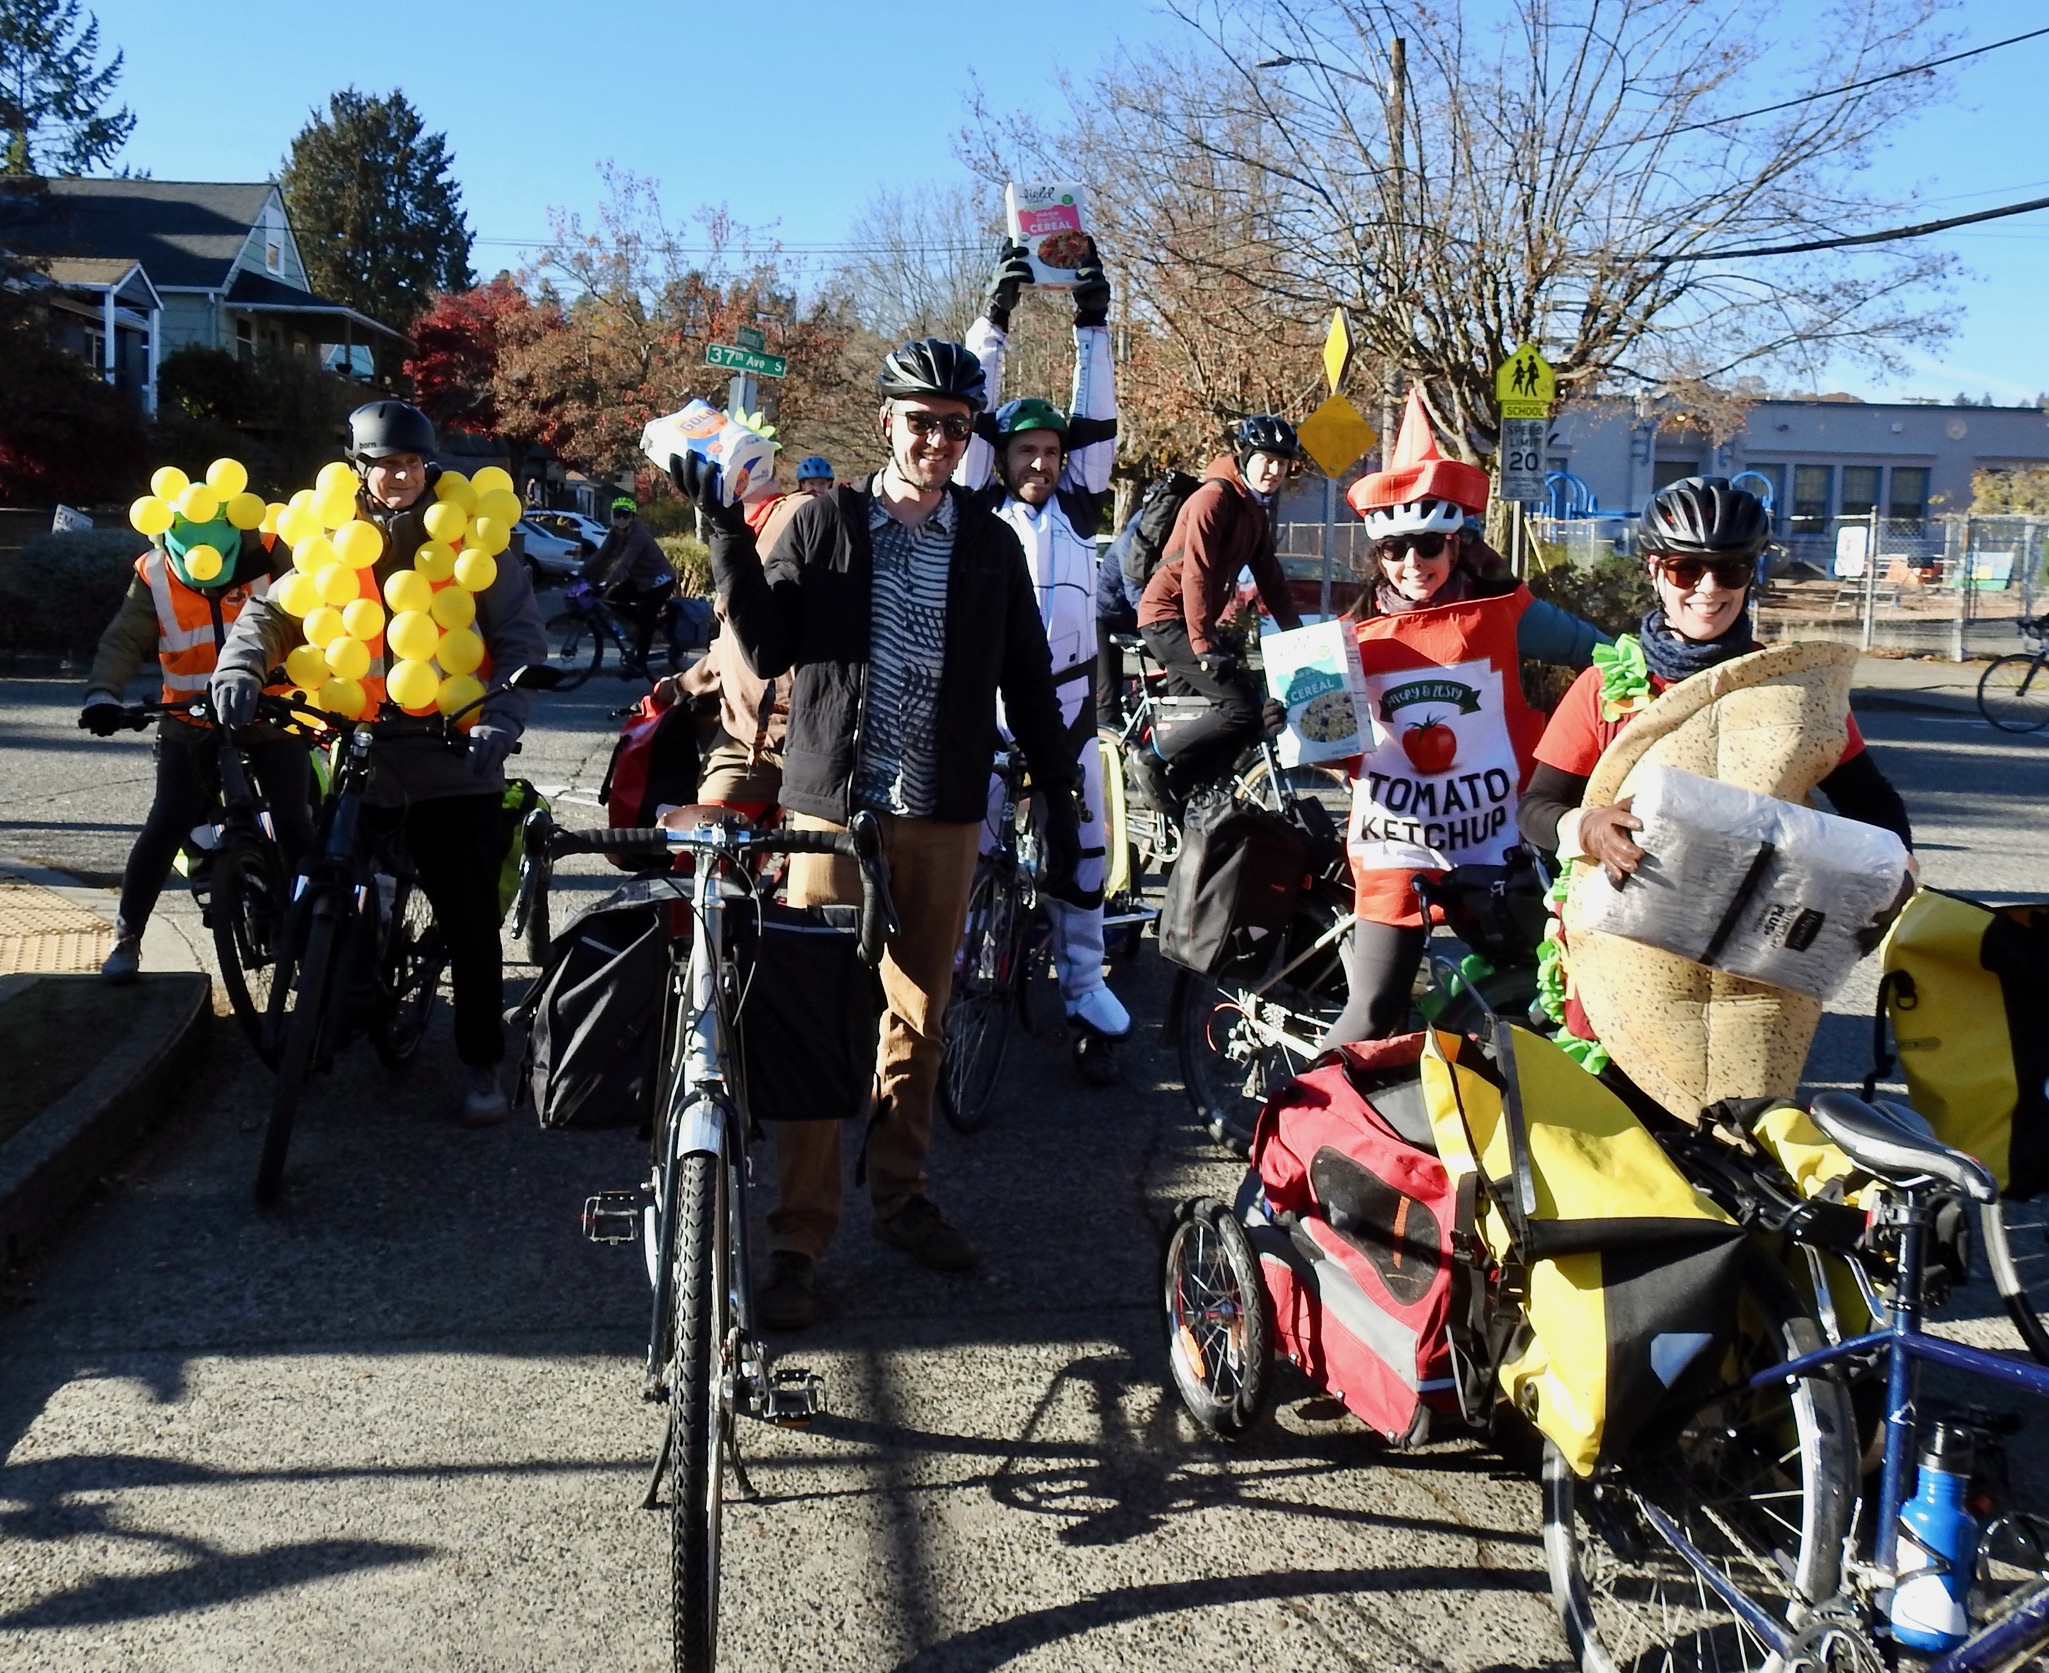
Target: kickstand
652, 1498
743, 1484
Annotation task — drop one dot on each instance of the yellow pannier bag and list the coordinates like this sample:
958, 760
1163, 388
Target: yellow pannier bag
1628, 1275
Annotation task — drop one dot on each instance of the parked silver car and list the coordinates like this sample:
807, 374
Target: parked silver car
551, 555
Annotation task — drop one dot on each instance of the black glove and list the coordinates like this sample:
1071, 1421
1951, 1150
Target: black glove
489, 746
1013, 272
697, 480
1091, 291
1219, 665
1060, 831
1273, 717
234, 696
102, 716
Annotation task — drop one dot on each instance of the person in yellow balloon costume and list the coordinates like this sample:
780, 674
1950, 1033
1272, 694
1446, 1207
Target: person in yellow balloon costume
396, 602
207, 560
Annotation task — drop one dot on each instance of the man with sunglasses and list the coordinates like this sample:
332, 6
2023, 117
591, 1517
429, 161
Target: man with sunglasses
903, 608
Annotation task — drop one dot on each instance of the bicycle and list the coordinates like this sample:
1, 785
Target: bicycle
705, 1358
529, 922
359, 946
587, 623
2013, 693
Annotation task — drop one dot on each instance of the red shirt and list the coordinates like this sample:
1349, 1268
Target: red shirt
1576, 735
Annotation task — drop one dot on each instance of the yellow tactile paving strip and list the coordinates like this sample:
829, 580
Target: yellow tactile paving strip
43, 932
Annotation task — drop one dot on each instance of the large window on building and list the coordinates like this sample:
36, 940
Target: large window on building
1811, 486
1908, 500
1860, 490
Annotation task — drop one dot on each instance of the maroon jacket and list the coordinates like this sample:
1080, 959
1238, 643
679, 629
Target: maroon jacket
1221, 529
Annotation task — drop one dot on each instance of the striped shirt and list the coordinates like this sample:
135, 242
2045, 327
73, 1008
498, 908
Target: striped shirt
897, 769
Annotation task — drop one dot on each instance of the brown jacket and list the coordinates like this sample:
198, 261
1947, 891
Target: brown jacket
1221, 529
753, 712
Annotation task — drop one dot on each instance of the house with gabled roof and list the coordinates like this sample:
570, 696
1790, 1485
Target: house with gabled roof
132, 270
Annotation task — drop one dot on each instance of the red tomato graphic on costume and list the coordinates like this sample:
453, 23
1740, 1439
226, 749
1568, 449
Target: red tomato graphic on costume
1431, 746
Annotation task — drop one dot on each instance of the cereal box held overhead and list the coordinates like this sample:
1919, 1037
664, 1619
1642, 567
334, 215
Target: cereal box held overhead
1048, 220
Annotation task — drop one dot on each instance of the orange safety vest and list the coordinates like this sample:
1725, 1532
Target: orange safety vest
191, 625
368, 586
1452, 743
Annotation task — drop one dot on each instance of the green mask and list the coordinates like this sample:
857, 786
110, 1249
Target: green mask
220, 534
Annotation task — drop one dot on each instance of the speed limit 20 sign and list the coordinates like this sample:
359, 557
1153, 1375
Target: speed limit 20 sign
1522, 458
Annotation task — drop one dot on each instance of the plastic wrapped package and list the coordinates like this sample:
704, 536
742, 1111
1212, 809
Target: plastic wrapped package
1746, 883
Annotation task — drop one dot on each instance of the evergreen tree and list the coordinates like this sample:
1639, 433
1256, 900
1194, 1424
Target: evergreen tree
53, 95
378, 216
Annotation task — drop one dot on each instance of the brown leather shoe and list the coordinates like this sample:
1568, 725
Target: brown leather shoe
921, 1230
788, 1300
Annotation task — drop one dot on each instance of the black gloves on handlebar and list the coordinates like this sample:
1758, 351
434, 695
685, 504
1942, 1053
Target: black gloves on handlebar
234, 696
1013, 272
102, 717
698, 480
1091, 291
1219, 665
1060, 830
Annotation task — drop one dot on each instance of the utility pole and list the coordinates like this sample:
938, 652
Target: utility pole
1397, 163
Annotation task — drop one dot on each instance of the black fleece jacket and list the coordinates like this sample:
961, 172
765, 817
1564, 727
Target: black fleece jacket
806, 608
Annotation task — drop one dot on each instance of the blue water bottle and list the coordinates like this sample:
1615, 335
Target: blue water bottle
1938, 1547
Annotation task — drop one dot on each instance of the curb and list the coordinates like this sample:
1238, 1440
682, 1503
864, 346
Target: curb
52, 1161
1911, 701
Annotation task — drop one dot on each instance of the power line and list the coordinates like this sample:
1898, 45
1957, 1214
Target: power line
1919, 230
1829, 93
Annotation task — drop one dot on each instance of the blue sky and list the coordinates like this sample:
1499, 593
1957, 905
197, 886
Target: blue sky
793, 113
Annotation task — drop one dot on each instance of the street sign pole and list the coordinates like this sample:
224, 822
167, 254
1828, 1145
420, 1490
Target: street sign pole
742, 392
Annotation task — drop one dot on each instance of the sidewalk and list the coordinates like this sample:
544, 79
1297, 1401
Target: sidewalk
1929, 685
90, 1066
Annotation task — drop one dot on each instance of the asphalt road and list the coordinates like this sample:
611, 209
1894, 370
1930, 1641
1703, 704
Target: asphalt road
397, 1424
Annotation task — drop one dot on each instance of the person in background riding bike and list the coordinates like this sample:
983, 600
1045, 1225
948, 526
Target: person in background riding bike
1441, 645
743, 766
903, 607
1224, 526
1117, 601
635, 573
448, 804
169, 614
814, 476
1047, 475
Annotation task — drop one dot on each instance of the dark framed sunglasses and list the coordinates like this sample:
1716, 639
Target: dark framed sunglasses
1391, 547
950, 425
1731, 574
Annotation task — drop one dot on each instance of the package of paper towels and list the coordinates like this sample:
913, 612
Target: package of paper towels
1747, 883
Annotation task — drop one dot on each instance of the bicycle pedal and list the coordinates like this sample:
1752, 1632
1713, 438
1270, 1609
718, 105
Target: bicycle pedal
795, 1397
612, 1217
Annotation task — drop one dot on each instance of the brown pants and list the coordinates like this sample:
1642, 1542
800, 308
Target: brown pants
931, 866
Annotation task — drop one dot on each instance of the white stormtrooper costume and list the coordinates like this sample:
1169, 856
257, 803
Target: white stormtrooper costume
1059, 544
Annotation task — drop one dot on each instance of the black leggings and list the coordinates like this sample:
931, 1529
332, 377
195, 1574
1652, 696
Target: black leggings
188, 794
1381, 961
1204, 749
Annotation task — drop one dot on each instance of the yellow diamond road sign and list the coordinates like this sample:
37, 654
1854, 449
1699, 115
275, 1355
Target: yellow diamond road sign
1336, 435
1337, 351
1526, 386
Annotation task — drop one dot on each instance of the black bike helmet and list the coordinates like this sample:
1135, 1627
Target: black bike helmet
379, 429
1264, 433
1704, 516
933, 366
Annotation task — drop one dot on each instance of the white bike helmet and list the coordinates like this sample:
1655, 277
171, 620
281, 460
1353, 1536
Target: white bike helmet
1416, 517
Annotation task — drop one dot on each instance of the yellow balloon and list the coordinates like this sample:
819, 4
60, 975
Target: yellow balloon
413, 685
476, 570
302, 500
502, 505
227, 477
358, 544
344, 697
454, 607
406, 589
348, 657
337, 584
199, 503
247, 510
487, 534
435, 560
297, 525
312, 554
167, 482
492, 479
458, 693
364, 619
445, 520
324, 625
412, 635
150, 515
461, 652
271, 513
457, 489
202, 562
307, 667
296, 595
334, 506
335, 473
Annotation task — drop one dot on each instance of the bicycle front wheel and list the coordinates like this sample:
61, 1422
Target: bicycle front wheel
414, 956
249, 895
578, 648
700, 1409
1761, 1485
2013, 694
298, 1055
976, 1030
2017, 1250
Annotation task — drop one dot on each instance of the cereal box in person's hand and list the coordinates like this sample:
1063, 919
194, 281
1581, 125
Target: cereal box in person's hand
1047, 220
1315, 672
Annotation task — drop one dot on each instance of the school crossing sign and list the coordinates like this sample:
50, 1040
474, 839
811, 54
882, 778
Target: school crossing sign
1524, 388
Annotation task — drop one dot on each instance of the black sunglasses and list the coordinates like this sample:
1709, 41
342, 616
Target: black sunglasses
1731, 574
1390, 547
951, 425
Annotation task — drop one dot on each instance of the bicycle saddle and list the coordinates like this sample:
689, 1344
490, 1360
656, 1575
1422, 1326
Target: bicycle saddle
1881, 1143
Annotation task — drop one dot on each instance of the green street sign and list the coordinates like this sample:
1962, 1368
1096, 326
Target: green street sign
751, 337
745, 360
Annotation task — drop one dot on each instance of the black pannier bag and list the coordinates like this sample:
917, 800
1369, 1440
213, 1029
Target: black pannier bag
1232, 889
594, 1014
808, 1012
